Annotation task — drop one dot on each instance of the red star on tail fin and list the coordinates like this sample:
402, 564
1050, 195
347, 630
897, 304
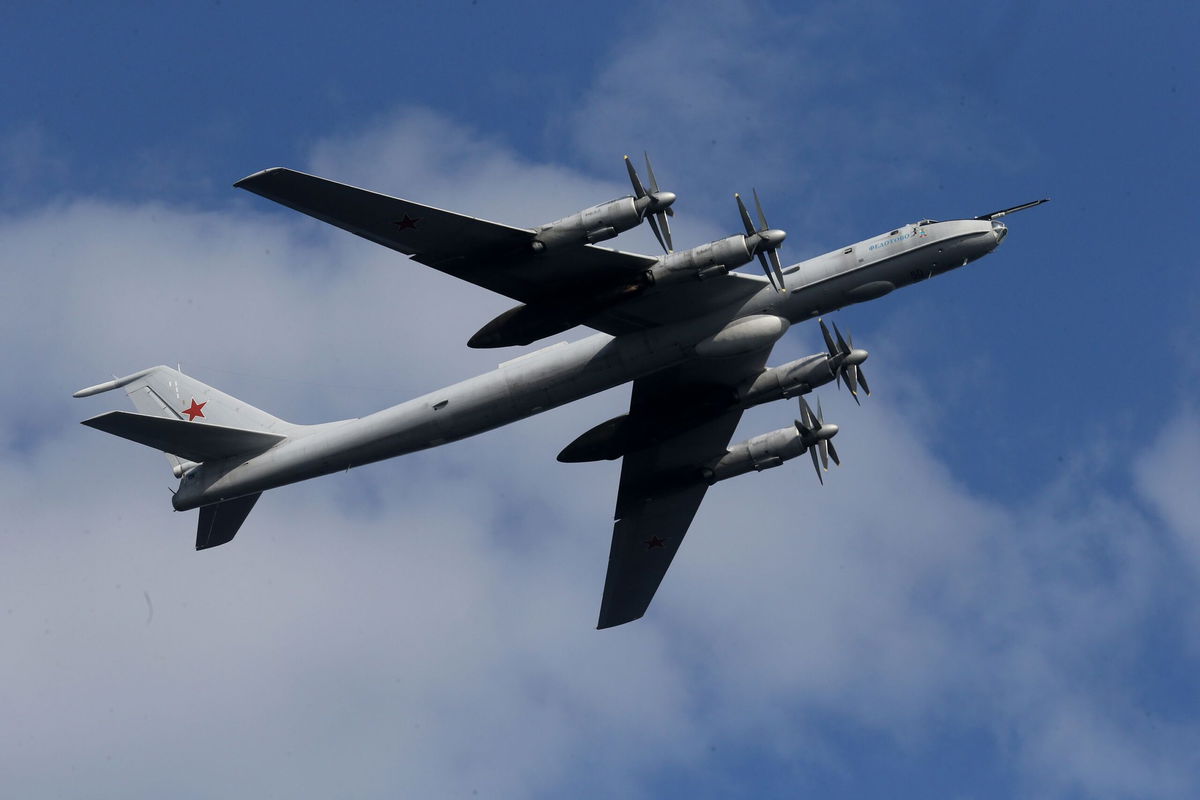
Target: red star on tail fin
194, 410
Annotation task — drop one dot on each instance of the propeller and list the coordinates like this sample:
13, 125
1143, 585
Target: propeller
763, 242
818, 437
845, 360
653, 205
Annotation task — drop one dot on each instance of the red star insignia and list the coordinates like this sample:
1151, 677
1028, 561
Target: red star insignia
194, 410
407, 223
653, 542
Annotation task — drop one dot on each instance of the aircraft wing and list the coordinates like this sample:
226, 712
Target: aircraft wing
661, 487
495, 256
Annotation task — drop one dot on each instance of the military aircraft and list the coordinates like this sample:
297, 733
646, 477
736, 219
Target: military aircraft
690, 332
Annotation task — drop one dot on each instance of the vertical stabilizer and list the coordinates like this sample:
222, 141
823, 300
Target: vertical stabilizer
165, 392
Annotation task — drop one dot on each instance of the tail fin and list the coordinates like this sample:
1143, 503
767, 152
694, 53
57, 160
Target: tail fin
169, 394
192, 423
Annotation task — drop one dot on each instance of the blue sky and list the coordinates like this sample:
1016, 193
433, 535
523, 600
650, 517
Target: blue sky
995, 595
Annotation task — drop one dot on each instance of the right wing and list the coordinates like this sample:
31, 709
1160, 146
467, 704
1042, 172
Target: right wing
561, 287
495, 256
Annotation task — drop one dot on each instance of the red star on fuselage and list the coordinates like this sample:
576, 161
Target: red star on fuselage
194, 410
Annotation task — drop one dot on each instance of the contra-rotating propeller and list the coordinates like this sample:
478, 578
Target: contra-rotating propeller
763, 242
818, 437
845, 360
654, 205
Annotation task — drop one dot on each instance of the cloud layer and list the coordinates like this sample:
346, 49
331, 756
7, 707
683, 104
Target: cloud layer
424, 627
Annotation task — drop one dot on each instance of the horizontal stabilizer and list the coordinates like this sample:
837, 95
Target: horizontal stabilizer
219, 522
195, 441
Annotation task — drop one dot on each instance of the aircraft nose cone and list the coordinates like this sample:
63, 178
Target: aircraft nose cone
999, 230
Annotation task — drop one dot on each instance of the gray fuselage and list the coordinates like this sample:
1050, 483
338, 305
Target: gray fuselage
565, 372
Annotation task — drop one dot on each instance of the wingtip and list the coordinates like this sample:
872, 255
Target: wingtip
262, 173
612, 621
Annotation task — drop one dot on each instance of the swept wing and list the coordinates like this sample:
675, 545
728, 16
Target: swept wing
661, 486
495, 256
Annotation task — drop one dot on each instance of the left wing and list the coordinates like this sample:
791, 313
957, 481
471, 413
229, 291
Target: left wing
495, 256
661, 486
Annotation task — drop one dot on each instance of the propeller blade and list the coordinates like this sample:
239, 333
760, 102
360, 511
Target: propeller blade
820, 413
829, 345
778, 265
666, 227
823, 446
762, 259
657, 233
852, 380
863, 380
762, 218
833, 453
650, 172
1005, 211
639, 191
843, 348
812, 451
745, 215
806, 413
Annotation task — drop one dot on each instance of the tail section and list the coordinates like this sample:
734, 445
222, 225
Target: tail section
182, 439
165, 392
219, 522
192, 423
169, 394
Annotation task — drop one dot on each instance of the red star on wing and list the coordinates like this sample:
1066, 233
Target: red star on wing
407, 223
653, 542
194, 410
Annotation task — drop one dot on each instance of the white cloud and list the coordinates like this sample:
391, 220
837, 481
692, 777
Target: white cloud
424, 627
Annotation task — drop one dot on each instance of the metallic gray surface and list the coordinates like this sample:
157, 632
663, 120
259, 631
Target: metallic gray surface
715, 346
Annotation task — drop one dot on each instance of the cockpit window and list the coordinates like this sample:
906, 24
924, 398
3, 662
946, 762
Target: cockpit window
927, 222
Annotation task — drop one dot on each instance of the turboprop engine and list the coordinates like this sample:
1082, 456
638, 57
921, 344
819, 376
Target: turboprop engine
809, 433
622, 435
604, 221
717, 258
841, 363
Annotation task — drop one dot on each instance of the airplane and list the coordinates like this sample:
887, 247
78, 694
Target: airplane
691, 333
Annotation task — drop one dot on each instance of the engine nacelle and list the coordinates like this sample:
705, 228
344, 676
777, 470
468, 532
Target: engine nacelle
788, 380
589, 226
707, 260
754, 455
